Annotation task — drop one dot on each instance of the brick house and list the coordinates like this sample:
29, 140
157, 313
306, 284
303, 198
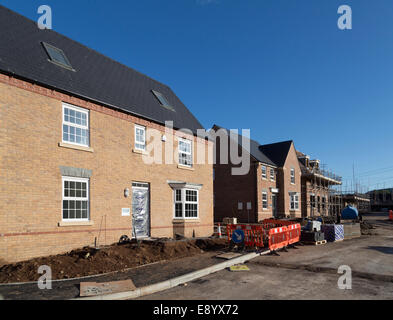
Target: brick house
75, 128
270, 189
283, 154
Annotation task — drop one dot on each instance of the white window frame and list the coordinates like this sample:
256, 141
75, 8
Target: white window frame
294, 199
136, 143
87, 198
70, 124
293, 174
183, 152
264, 193
184, 202
272, 177
264, 175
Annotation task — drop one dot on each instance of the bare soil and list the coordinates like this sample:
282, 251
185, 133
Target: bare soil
117, 257
365, 229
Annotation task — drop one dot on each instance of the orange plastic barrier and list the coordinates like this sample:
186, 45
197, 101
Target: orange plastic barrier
278, 238
294, 231
390, 214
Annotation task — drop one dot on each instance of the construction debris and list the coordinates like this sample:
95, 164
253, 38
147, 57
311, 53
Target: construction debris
89, 289
228, 255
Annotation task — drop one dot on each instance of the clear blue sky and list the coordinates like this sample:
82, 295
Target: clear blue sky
279, 67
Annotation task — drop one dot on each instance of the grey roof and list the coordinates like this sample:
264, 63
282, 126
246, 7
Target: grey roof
254, 151
96, 77
278, 152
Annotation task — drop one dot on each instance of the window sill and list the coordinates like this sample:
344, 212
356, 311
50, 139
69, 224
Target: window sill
179, 166
180, 220
75, 223
140, 151
75, 147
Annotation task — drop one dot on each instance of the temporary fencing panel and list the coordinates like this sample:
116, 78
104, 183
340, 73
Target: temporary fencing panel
253, 234
278, 238
273, 233
294, 232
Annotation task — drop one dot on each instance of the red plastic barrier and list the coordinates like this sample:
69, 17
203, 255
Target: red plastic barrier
271, 232
253, 234
390, 214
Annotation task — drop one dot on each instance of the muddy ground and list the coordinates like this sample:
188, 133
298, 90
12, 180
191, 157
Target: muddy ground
90, 261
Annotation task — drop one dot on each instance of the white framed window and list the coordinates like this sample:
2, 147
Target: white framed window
292, 175
75, 205
185, 152
294, 201
272, 175
75, 125
264, 200
140, 138
186, 203
263, 172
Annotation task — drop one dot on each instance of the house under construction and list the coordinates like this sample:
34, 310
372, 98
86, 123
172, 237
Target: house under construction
321, 189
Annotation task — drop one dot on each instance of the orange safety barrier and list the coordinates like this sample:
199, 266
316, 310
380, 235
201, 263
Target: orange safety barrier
272, 233
253, 234
294, 231
390, 214
278, 238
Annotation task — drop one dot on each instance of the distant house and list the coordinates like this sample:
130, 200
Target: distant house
74, 133
381, 199
270, 189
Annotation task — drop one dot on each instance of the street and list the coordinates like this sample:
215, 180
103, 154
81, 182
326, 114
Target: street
309, 272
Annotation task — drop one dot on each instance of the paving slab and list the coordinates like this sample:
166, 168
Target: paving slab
229, 255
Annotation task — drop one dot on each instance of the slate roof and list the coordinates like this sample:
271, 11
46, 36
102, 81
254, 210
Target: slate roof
254, 148
96, 77
277, 152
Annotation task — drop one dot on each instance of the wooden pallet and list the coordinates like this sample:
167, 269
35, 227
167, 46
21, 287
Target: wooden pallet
315, 243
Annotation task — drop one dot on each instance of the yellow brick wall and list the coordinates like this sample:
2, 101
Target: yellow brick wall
31, 181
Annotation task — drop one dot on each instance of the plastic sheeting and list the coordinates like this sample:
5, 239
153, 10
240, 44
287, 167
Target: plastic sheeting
140, 212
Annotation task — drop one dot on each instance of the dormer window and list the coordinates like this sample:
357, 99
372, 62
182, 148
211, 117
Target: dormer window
163, 101
57, 56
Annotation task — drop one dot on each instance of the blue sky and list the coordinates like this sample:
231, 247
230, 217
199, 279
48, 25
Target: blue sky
279, 67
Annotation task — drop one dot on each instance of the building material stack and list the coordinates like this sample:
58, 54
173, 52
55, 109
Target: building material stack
333, 232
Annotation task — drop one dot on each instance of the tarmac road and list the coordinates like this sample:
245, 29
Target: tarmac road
309, 272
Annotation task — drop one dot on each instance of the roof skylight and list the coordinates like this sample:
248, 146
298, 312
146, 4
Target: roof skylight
163, 101
57, 56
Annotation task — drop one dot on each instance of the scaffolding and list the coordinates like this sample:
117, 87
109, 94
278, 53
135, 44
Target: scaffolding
322, 190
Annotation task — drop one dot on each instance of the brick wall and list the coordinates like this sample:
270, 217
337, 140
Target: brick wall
265, 185
286, 187
31, 181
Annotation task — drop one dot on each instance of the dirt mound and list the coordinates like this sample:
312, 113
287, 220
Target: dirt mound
2, 262
365, 228
91, 261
